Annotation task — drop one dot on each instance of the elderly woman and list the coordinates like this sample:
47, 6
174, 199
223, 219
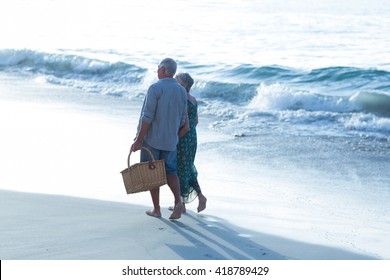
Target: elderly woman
186, 149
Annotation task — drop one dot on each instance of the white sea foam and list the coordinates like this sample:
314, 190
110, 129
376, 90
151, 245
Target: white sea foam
368, 123
278, 97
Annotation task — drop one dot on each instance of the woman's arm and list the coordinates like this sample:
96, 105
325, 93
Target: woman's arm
185, 127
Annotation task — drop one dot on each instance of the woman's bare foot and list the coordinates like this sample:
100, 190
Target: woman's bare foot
177, 211
183, 211
202, 203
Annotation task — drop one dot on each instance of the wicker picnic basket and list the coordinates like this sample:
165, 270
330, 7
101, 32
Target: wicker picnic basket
144, 176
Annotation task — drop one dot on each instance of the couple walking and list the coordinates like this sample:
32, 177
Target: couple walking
167, 126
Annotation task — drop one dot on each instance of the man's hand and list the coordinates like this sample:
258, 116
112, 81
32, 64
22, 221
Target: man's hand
137, 145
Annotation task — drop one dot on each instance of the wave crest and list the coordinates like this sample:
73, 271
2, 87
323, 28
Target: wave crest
278, 97
373, 102
59, 62
72, 70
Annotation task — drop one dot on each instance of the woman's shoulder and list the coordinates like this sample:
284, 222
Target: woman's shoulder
191, 99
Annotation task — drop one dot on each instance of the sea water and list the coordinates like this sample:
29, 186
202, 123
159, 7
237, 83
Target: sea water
298, 91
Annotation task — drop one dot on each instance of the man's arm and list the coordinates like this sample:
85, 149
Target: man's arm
137, 145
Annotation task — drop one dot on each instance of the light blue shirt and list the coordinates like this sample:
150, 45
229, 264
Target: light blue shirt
165, 109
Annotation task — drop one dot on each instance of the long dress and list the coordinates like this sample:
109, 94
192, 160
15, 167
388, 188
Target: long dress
186, 151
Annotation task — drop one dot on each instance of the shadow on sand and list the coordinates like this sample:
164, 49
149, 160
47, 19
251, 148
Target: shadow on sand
213, 238
38, 226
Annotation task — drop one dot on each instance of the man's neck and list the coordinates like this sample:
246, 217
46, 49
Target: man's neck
167, 76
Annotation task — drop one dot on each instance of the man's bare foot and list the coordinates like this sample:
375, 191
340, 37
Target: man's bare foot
152, 213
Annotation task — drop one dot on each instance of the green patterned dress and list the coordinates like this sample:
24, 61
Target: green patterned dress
186, 151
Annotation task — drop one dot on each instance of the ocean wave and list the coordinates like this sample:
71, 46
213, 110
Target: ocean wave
238, 122
72, 70
253, 74
279, 97
258, 89
273, 87
235, 93
232, 83
367, 123
336, 78
372, 102
278, 106
338, 74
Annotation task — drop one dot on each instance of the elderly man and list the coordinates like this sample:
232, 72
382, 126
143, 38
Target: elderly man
163, 113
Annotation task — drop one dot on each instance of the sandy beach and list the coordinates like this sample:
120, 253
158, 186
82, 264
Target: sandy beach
56, 227
51, 227
62, 196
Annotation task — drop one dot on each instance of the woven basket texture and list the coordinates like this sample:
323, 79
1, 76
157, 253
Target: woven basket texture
144, 176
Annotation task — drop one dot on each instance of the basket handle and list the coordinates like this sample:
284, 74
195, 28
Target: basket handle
151, 164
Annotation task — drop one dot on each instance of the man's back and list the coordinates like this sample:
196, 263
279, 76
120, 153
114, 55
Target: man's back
165, 109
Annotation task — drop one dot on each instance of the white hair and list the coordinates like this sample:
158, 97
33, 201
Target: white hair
170, 65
